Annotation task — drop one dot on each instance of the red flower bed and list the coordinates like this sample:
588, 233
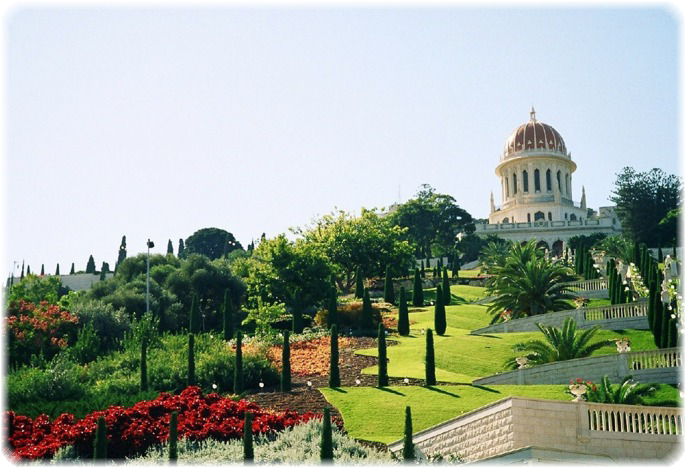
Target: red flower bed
131, 431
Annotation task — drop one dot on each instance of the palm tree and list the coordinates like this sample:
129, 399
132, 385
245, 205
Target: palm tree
529, 284
559, 345
492, 256
626, 393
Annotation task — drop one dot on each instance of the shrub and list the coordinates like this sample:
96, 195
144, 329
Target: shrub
87, 345
286, 363
403, 316
326, 452
334, 375
429, 361
439, 312
110, 324
417, 291
383, 361
61, 380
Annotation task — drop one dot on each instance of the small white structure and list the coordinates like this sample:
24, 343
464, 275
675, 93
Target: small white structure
535, 173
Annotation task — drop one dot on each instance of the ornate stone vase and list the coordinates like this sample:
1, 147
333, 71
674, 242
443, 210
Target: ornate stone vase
623, 345
578, 390
522, 361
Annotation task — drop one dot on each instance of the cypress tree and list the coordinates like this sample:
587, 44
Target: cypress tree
429, 362
657, 321
418, 290
173, 437
170, 248
332, 307
102, 275
403, 315
423, 271
286, 363
144, 365
447, 297
637, 254
57, 270
100, 442
383, 360
674, 251
195, 315
42, 269
664, 336
191, 360
408, 445
71, 272
673, 341
660, 258
248, 453
326, 452
227, 316
121, 254
359, 286
608, 271
28, 269
652, 290
439, 312
90, 266
366, 317
180, 251
388, 293
21, 276
238, 370
334, 375
456, 266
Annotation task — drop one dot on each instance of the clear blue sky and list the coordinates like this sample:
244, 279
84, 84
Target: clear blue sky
158, 122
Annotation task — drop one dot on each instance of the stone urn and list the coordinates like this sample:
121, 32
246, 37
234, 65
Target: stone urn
578, 390
522, 361
623, 345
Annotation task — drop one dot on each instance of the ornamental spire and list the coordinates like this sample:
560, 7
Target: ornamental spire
583, 197
492, 203
532, 113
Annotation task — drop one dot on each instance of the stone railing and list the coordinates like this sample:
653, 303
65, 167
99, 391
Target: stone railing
619, 432
587, 285
657, 366
613, 317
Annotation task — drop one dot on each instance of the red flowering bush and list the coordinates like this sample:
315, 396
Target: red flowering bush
131, 431
36, 328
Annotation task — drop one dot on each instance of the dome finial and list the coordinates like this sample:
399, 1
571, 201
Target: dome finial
532, 113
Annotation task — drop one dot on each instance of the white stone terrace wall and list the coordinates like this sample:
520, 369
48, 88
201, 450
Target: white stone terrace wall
657, 366
82, 281
614, 317
621, 432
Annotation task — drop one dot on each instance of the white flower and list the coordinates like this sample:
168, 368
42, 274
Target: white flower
214, 386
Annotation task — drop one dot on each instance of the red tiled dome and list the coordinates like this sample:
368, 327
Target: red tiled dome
535, 135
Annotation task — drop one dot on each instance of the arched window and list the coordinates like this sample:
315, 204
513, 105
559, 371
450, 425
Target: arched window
537, 180
559, 181
572, 217
528, 217
506, 220
525, 181
507, 188
539, 216
514, 184
568, 190
550, 216
548, 181
566, 217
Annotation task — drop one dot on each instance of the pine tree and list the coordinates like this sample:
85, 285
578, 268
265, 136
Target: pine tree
334, 374
195, 314
429, 361
100, 442
71, 272
57, 270
286, 363
191, 360
42, 269
332, 307
326, 447
388, 293
447, 297
403, 315
144, 365
248, 453
170, 248
359, 286
408, 445
439, 312
180, 250
90, 266
418, 290
366, 317
173, 437
383, 360
238, 370
227, 316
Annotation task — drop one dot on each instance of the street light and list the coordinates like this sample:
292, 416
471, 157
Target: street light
151, 244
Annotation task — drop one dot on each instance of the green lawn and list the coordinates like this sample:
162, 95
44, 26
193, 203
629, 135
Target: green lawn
469, 273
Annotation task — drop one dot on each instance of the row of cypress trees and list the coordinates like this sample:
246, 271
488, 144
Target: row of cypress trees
583, 263
389, 292
616, 288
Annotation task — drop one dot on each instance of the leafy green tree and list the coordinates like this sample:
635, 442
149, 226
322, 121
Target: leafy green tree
100, 442
493, 256
211, 242
238, 370
359, 285
627, 392
643, 200
366, 317
191, 360
418, 290
173, 437
248, 451
429, 360
388, 293
403, 315
90, 266
334, 374
383, 359
559, 344
227, 311
170, 248
439, 312
447, 297
326, 452
408, 445
286, 363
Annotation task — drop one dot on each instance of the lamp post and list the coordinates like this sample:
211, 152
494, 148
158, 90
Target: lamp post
151, 244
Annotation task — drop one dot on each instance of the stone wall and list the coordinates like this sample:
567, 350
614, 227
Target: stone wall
620, 432
658, 366
82, 281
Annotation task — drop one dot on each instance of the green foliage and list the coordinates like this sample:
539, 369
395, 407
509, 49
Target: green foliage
332, 307
388, 293
418, 290
403, 315
227, 316
71, 272
264, 315
383, 358
35, 289
121, 255
194, 325
248, 452
191, 360
359, 284
90, 266
213, 243
238, 368
144, 366
334, 374
286, 362
181, 251
493, 256
170, 248
627, 392
408, 445
326, 452
445, 286
561, 344
440, 323
173, 437
60, 379
366, 317
429, 359
57, 270
100, 442
87, 345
